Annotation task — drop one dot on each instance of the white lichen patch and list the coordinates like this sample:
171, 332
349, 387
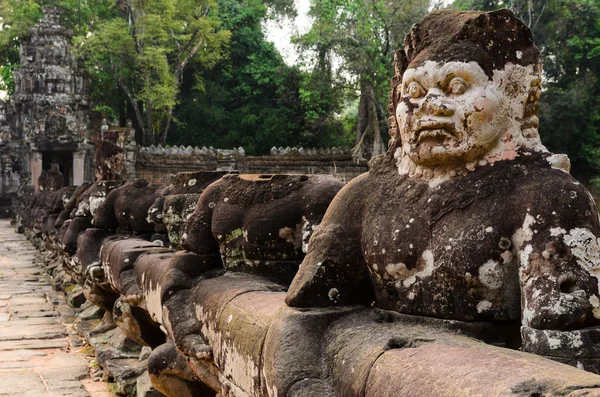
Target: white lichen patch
554, 342
398, 271
483, 306
232, 363
308, 229
557, 231
490, 274
595, 302
191, 182
525, 233
95, 203
526, 315
564, 340
242, 369
525, 256
585, 247
560, 162
83, 209
153, 297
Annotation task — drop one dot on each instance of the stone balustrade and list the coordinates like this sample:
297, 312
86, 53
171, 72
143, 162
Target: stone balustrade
197, 269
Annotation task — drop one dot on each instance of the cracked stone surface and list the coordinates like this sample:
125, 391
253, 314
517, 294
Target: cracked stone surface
37, 356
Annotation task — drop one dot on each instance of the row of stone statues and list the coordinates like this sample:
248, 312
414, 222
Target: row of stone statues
464, 243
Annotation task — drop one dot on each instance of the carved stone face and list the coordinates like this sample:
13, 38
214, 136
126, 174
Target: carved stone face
452, 113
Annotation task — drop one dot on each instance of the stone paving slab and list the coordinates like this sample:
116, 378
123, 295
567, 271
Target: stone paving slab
37, 356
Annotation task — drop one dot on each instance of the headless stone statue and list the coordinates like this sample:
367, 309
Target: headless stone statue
467, 216
52, 179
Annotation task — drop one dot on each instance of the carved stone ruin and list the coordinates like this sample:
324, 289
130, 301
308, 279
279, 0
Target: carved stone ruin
50, 105
466, 241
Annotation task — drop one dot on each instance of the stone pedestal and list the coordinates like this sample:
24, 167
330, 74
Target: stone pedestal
36, 169
78, 167
82, 166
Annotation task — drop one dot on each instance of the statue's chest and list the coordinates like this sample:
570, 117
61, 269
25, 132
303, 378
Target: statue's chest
459, 225
460, 240
421, 252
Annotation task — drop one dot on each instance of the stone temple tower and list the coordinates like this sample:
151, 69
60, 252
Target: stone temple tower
51, 103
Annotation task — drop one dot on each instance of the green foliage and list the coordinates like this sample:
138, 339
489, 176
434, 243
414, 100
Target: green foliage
145, 50
106, 111
361, 37
251, 98
17, 17
7, 80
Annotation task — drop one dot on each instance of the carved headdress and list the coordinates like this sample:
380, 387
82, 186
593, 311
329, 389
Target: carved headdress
492, 39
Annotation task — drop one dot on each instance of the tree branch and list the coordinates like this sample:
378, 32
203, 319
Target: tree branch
133, 23
111, 71
539, 16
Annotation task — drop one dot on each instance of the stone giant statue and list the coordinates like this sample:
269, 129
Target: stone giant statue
467, 216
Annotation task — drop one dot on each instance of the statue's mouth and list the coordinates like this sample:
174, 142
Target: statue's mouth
434, 130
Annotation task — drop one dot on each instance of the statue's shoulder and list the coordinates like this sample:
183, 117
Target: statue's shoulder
547, 183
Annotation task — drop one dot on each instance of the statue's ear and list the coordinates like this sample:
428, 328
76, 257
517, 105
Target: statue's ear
412, 42
400, 63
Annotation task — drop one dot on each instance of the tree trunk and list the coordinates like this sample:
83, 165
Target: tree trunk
163, 137
368, 138
130, 99
149, 122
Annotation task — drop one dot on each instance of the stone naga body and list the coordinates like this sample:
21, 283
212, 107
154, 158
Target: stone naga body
468, 216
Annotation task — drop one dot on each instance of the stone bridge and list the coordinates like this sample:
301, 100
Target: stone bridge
465, 262
197, 270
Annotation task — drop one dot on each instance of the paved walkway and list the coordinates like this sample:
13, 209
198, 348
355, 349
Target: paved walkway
39, 356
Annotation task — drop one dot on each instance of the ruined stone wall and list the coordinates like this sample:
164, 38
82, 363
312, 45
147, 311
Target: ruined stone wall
158, 163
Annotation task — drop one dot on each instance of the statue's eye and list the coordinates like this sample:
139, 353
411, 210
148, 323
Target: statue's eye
415, 90
457, 86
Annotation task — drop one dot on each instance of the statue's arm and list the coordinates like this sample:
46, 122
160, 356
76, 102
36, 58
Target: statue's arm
334, 271
559, 256
198, 236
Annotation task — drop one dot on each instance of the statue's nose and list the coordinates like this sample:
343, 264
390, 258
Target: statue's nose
434, 104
